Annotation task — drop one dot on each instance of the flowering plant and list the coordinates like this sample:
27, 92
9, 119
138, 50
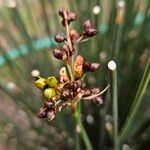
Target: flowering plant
71, 88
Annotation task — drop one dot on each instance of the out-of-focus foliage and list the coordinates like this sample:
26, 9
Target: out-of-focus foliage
27, 28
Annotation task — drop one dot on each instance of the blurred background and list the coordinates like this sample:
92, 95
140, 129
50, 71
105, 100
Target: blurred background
27, 28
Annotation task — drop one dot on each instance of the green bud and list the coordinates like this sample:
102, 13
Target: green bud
40, 83
49, 93
51, 81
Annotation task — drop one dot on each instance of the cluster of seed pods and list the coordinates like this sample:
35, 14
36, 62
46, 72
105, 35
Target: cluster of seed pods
70, 88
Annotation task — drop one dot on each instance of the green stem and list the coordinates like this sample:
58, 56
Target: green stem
82, 133
70, 72
115, 107
136, 104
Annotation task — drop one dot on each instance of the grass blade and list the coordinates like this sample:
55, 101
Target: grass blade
136, 104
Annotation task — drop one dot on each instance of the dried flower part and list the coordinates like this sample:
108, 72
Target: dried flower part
49, 104
98, 100
59, 87
78, 97
49, 93
57, 97
86, 92
42, 113
51, 114
91, 67
95, 91
74, 35
59, 38
60, 53
63, 75
40, 83
73, 86
51, 81
89, 30
78, 70
67, 95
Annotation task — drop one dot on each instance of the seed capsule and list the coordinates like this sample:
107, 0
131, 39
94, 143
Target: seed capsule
49, 104
91, 67
51, 114
90, 32
42, 113
49, 93
59, 38
51, 81
66, 95
40, 83
60, 54
71, 16
87, 25
98, 100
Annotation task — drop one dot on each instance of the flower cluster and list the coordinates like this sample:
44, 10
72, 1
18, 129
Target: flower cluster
70, 89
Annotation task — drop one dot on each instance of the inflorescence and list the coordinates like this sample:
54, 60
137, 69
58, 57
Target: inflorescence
70, 89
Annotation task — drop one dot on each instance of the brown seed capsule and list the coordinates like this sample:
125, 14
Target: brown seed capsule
90, 32
42, 113
60, 54
59, 38
49, 104
86, 92
87, 25
51, 114
71, 16
98, 100
73, 86
66, 94
91, 67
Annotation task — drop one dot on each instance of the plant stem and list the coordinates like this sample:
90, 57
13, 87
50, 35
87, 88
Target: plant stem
115, 107
136, 104
70, 71
82, 132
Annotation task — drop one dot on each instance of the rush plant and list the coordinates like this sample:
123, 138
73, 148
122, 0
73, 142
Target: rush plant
70, 89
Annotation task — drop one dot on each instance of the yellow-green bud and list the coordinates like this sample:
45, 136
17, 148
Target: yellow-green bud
49, 93
40, 83
51, 81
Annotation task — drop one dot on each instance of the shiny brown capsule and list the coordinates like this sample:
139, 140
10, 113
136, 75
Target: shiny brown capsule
60, 54
90, 32
87, 24
59, 38
91, 67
